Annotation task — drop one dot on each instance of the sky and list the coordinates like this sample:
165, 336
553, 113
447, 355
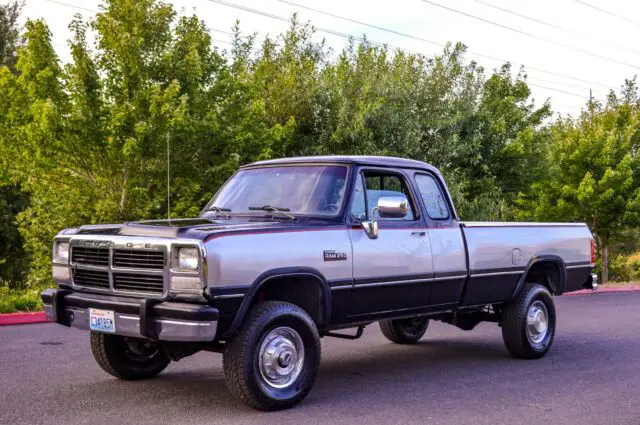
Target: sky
567, 47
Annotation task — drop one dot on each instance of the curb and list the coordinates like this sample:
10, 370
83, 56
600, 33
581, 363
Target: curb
606, 290
23, 318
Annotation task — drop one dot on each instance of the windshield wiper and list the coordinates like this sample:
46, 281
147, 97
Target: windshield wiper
274, 209
219, 209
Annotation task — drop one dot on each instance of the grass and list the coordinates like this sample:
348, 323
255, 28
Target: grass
14, 300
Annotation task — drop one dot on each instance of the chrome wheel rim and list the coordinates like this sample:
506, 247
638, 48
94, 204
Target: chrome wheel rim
281, 357
537, 322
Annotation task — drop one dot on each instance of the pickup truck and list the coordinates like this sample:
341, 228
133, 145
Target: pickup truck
292, 250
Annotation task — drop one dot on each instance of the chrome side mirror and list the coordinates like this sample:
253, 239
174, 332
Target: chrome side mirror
388, 207
393, 206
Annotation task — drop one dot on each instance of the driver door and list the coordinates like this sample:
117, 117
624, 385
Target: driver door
392, 272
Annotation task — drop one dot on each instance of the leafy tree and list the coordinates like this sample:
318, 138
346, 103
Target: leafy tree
595, 174
10, 33
88, 140
13, 259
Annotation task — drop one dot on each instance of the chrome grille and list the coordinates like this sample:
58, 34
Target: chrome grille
138, 259
90, 256
119, 265
138, 282
91, 278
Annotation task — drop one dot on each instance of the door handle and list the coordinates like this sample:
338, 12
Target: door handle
423, 233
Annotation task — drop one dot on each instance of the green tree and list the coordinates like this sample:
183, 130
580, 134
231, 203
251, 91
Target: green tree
88, 140
595, 175
13, 259
10, 33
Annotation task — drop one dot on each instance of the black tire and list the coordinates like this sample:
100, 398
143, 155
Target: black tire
128, 358
517, 338
404, 331
244, 367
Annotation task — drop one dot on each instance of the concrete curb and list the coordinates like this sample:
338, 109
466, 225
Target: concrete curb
23, 318
607, 290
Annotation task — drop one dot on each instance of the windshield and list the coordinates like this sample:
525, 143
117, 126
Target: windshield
299, 189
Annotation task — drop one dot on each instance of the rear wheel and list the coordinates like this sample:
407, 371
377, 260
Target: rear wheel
529, 323
404, 331
273, 361
128, 358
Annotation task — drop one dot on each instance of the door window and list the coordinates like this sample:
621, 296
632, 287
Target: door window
372, 187
432, 196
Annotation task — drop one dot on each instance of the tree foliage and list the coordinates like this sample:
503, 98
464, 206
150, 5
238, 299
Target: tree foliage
10, 38
146, 95
13, 259
595, 171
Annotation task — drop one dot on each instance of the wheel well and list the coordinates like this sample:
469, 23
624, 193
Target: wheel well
547, 273
306, 291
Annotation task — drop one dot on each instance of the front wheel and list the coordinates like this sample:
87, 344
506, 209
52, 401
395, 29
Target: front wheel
273, 361
404, 331
128, 358
529, 323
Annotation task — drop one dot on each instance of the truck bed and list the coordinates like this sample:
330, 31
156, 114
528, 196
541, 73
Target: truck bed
498, 254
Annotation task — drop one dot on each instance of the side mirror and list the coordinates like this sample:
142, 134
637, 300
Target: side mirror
388, 207
393, 207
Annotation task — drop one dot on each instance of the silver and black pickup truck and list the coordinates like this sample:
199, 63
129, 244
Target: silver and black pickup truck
292, 250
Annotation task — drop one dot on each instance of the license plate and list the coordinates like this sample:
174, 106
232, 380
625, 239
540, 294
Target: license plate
102, 320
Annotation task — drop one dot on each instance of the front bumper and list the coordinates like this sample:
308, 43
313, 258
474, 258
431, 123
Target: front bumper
143, 318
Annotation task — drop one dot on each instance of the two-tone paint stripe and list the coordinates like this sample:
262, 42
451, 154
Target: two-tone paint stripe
235, 291
246, 232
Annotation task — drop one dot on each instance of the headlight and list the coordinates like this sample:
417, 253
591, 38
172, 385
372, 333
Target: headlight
61, 252
188, 259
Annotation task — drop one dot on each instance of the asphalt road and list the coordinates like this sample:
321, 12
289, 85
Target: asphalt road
590, 376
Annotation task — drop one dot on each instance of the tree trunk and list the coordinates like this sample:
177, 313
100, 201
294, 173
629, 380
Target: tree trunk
604, 268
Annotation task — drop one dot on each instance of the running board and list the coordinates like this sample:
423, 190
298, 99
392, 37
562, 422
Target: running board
343, 336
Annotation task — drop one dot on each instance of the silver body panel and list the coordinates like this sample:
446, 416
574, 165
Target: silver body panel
396, 252
239, 259
492, 246
447, 248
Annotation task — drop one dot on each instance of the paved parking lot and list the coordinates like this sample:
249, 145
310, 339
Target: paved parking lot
591, 376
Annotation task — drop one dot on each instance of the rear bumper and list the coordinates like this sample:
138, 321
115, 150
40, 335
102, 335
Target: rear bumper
592, 282
142, 318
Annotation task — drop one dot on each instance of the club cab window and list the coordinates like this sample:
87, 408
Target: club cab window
432, 197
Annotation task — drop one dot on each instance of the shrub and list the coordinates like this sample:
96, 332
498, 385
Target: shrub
12, 300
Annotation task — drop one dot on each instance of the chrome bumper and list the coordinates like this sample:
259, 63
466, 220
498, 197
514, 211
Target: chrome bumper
592, 282
142, 318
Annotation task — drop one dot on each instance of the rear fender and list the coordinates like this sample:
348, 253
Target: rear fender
554, 259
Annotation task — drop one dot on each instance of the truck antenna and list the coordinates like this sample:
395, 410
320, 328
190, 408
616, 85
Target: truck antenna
168, 178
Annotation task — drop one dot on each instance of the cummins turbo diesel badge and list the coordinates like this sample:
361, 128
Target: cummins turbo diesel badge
334, 256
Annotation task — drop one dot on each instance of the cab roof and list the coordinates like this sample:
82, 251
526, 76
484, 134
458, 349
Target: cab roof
378, 161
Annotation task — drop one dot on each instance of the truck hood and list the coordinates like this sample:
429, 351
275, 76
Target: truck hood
192, 228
